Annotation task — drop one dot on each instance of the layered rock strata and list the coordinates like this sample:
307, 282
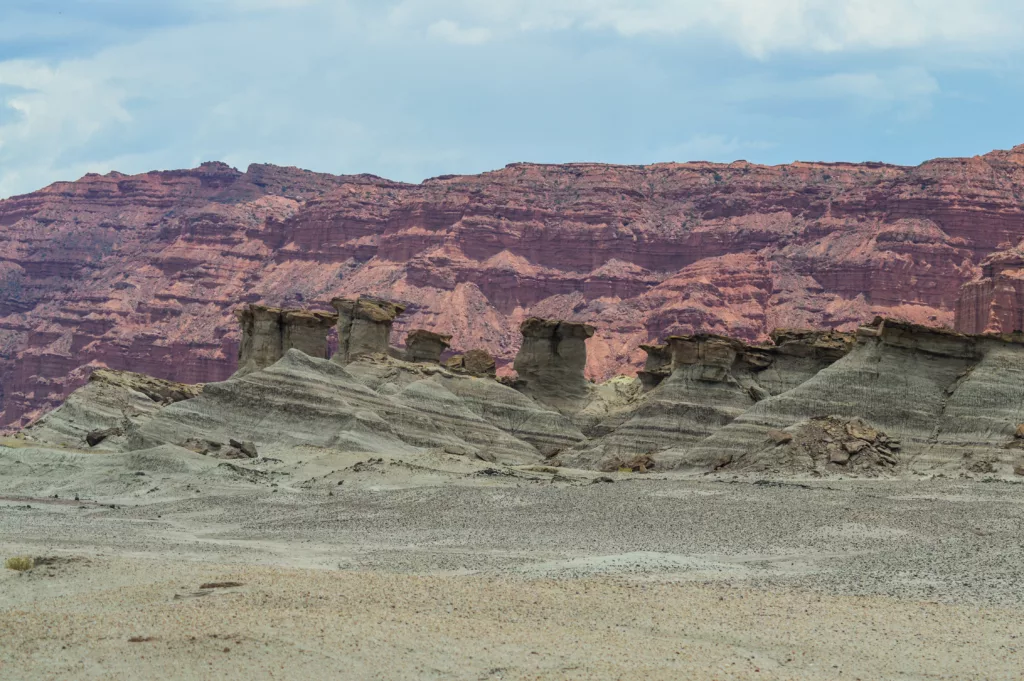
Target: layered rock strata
426, 346
268, 333
373, 404
142, 272
950, 400
364, 327
994, 303
714, 380
114, 403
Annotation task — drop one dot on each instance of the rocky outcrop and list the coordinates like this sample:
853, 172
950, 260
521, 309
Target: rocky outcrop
107, 410
473, 363
657, 367
302, 401
714, 380
995, 302
142, 272
551, 361
426, 346
952, 401
269, 332
364, 327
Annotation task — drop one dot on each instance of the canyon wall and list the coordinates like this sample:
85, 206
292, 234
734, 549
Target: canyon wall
143, 272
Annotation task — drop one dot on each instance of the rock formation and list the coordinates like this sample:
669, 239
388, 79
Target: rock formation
658, 366
950, 400
896, 399
714, 380
473, 362
364, 327
551, 361
995, 302
269, 332
107, 409
426, 346
142, 272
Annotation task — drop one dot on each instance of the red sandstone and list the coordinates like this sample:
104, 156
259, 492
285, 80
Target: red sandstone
142, 272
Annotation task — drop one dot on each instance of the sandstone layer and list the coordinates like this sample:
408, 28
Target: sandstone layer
143, 272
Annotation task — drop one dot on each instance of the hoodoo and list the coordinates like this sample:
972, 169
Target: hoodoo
364, 326
269, 332
552, 358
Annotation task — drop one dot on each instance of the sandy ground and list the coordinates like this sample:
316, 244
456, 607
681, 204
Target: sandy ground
442, 568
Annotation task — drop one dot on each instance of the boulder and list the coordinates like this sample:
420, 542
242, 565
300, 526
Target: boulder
474, 363
426, 346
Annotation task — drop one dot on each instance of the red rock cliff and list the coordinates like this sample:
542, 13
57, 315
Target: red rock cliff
142, 272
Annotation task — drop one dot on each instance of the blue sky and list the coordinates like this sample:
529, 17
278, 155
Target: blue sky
409, 89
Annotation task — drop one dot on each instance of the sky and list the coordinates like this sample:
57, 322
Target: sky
410, 89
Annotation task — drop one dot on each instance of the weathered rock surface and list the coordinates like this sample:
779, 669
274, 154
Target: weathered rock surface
474, 362
302, 401
268, 333
108, 409
952, 401
364, 327
994, 303
426, 346
714, 380
551, 361
142, 272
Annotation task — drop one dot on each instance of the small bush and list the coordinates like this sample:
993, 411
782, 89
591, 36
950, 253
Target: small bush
19, 563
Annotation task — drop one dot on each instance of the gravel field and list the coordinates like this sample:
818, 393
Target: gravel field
383, 569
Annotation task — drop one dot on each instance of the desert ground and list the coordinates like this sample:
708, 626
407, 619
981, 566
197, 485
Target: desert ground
317, 564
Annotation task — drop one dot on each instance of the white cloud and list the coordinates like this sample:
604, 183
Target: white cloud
375, 86
451, 32
758, 27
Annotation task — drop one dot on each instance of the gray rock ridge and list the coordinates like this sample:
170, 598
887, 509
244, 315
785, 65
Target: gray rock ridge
269, 332
893, 399
952, 402
303, 401
714, 379
113, 402
364, 327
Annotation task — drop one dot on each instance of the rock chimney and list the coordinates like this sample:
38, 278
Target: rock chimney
269, 332
364, 326
553, 356
426, 346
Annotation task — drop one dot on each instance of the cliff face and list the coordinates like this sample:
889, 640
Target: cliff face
143, 272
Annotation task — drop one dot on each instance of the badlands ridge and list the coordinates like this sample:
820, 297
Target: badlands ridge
891, 399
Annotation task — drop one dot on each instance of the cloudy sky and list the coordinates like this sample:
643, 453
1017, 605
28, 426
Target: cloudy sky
409, 89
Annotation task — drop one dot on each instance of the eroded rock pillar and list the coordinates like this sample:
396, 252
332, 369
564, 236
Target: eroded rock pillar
364, 326
553, 355
269, 332
262, 338
658, 366
307, 331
